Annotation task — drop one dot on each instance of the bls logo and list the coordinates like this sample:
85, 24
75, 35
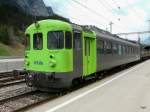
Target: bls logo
38, 62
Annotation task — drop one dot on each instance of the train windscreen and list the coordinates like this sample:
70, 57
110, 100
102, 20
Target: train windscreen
27, 42
55, 40
37, 41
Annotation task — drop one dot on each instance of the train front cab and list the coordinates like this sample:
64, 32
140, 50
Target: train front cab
56, 54
49, 55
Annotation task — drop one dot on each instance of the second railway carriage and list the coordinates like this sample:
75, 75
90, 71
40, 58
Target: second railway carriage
114, 51
60, 53
145, 51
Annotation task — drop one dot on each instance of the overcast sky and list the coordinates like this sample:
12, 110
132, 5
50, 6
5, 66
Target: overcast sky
126, 15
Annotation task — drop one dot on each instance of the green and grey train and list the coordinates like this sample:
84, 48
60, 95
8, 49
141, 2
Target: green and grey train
60, 53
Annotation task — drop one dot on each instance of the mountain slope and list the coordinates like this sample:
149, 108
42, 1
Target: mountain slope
32, 7
16, 16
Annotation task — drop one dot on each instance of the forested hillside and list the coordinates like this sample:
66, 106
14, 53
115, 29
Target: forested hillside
13, 22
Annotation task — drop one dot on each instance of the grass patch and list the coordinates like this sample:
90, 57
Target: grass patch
11, 51
3, 52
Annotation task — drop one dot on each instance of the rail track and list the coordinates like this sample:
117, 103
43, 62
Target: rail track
8, 78
22, 101
15, 95
6, 74
13, 91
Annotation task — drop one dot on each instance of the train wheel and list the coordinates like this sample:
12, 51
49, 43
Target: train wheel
75, 82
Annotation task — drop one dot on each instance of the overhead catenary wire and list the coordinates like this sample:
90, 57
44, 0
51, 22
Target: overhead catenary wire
106, 20
138, 16
135, 12
93, 11
108, 8
74, 17
107, 4
110, 11
118, 6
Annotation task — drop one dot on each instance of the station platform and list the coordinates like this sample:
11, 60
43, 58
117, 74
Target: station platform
126, 91
8, 65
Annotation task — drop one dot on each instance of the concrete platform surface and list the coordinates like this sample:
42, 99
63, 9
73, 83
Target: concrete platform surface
126, 91
8, 65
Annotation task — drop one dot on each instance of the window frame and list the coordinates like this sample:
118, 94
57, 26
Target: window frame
114, 48
100, 46
77, 41
42, 41
63, 46
27, 42
107, 47
87, 45
70, 47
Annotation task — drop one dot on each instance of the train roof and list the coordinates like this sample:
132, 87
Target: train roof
58, 24
107, 35
50, 23
102, 33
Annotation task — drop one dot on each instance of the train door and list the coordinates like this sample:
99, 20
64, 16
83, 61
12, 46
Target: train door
89, 56
77, 54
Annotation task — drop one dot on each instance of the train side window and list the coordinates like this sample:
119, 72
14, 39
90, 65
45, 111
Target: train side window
133, 50
119, 50
27, 42
129, 50
87, 47
55, 40
123, 49
108, 47
68, 40
114, 48
77, 40
100, 46
126, 49
37, 41
105, 47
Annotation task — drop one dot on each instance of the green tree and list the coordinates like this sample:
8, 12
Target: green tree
4, 35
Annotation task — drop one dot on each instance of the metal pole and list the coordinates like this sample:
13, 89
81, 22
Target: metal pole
148, 25
139, 39
111, 23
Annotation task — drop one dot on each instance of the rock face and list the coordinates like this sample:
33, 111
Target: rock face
32, 7
50, 11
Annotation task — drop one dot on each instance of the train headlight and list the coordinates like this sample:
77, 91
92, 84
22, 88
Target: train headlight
52, 63
27, 63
